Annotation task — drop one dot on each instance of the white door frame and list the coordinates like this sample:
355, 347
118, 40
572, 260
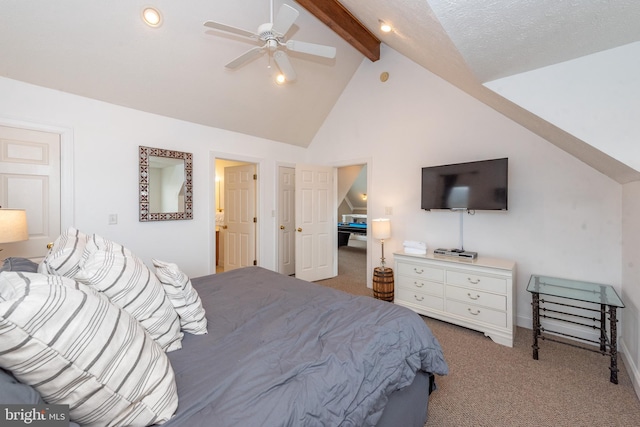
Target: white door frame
67, 206
213, 156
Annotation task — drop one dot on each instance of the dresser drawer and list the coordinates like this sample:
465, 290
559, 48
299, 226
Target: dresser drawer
421, 271
487, 283
476, 313
418, 285
477, 297
419, 298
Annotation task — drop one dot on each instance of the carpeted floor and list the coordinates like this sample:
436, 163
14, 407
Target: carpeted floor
352, 274
493, 385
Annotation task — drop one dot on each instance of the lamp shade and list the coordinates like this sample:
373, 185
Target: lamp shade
381, 228
13, 225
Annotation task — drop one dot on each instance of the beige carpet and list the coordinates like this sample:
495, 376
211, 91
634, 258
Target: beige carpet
493, 385
352, 272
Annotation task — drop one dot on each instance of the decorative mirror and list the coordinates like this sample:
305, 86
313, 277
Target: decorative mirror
165, 185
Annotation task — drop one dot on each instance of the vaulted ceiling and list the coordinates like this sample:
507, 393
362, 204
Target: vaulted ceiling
104, 51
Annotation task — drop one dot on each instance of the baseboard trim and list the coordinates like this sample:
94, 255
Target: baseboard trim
632, 368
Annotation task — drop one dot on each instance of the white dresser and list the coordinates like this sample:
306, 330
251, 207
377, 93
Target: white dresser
476, 294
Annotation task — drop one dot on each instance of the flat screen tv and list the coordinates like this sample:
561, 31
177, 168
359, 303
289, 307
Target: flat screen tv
472, 186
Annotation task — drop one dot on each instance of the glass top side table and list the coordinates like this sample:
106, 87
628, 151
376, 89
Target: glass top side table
604, 296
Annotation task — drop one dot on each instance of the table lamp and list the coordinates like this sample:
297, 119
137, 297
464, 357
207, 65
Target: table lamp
13, 225
381, 230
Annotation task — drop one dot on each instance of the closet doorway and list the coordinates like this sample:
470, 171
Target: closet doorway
37, 172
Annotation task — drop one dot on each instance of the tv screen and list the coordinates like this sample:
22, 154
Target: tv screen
473, 186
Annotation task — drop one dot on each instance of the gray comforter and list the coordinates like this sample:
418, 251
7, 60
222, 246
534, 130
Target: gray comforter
284, 352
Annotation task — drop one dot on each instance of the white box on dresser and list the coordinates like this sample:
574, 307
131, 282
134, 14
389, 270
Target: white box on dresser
477, 294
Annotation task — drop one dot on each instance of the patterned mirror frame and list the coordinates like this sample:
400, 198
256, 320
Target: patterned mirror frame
145, 214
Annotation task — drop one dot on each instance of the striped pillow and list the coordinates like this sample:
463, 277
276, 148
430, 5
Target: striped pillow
76, 348
184, 298
66, 254
129, 284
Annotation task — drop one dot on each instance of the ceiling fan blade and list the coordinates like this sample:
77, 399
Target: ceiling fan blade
230, 29
245, 57
284, 20
285, 66
312, 49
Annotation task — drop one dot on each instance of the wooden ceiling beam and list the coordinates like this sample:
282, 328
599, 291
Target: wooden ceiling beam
343, 23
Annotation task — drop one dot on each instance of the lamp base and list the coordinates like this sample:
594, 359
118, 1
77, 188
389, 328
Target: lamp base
383, 284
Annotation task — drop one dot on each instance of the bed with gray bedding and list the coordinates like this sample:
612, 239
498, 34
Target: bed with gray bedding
284, 352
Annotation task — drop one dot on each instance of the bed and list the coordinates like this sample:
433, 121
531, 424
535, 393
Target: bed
278, 351
284, 352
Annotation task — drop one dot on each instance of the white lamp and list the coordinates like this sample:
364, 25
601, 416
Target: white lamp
381, 229
13, 225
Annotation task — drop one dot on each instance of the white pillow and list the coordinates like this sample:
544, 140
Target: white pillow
66, 254
76, 348
128, 283
184, 298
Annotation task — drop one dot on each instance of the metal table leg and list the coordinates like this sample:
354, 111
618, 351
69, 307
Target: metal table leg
536, 322
603, 328
614, 344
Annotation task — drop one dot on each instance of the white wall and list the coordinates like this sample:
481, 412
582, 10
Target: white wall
105, 150
564, 218
631, 280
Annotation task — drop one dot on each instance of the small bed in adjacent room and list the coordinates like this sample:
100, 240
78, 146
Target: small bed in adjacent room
284, 352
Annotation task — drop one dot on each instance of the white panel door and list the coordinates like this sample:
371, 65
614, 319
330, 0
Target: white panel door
315, 210
286, 220
30, 179
240, 216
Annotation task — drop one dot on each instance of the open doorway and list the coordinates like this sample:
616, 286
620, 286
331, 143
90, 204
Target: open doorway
349, 200
235, 214
352, 227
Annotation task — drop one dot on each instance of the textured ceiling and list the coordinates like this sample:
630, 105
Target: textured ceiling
102, 50
499, 38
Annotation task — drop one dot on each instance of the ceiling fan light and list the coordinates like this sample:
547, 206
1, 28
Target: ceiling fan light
151, 17
280, 79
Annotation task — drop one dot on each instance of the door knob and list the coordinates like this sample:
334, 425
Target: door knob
224, 227
282, 227
299, 230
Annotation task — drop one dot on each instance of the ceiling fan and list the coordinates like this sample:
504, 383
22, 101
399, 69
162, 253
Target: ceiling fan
271, 38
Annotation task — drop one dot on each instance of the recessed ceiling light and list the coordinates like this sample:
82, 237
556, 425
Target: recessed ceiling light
384, 27
151, 17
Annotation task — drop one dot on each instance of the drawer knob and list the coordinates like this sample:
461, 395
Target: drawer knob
419, 271
418, 284
421, 298
475, 314
473, 281
472, 297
